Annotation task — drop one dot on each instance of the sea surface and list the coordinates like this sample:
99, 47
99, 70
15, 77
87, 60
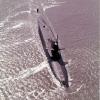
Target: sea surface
24, 71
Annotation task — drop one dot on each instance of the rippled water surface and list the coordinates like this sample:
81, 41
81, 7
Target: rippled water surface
24, 71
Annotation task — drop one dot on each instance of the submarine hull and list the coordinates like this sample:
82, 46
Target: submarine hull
57, 67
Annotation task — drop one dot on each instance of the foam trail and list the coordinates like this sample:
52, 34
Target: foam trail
19, 6
28, 40
28, 11
27, 72
63, 90
69, 76
57, 3
77, 90
18, 25
11, 16
53, 4
34, 70
17, 43
50, 6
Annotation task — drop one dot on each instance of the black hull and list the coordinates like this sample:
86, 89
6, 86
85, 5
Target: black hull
57, 67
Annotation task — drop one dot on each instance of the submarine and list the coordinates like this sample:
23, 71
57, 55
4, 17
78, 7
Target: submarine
49, 40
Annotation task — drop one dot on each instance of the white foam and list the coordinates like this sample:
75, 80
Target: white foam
1, 24
77, 90
28, 11
28, 40
57, 3
19, 6
69, 62
27, 72
17, 43
18, 25
53, 3
11, 16
67, 67
32, 71
50, 6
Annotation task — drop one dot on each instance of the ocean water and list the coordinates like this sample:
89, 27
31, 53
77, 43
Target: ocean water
76, 23
24, 74
24, 71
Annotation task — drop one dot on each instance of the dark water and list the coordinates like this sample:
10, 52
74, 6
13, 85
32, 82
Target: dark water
76, 23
